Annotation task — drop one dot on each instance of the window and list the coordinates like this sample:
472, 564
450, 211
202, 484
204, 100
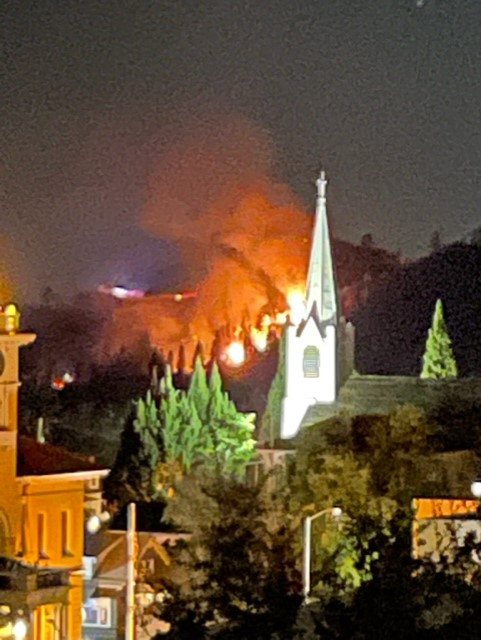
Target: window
93, 484
97, 612
65, 533
311, 362
42, 536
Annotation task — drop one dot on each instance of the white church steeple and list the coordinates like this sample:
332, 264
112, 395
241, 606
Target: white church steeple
311, 375
321, 286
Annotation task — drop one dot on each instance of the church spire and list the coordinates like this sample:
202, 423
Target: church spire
321, 286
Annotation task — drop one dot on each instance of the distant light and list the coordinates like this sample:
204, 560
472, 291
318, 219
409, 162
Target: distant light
58, 384
120, 292
178, 297
68, 377
336, 512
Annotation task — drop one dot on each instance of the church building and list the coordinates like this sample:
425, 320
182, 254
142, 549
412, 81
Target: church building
312, 348
320, 377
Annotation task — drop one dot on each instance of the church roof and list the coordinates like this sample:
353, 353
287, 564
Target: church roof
42, 459
379, 395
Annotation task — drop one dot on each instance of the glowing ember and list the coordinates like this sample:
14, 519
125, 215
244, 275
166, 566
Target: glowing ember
235, 353
295, 300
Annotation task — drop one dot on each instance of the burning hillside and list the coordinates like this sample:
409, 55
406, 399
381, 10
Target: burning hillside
244, 240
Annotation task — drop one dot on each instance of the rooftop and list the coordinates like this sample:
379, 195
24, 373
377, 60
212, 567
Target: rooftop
41, 459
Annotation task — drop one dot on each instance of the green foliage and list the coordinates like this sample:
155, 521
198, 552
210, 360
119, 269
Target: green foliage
238, 571
182, 430
198, 392
231, 430
438, 359
240, 574
371, 466
203, 426
271, 420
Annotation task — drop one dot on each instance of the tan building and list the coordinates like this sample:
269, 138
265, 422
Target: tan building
46, 494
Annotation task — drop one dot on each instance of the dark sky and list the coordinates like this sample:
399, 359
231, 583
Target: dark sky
386, 94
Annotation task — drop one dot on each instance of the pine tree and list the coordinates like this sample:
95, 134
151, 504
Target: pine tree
271, 420
438, 359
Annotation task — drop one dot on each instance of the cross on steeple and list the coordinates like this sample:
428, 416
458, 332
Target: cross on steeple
321, 183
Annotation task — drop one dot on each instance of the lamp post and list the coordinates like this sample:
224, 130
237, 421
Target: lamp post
131, 559
335, 512
94, 525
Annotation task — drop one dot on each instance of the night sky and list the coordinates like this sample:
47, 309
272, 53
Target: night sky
385, 94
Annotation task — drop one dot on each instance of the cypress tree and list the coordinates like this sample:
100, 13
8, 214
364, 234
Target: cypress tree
271, 419
198, 392
438, 358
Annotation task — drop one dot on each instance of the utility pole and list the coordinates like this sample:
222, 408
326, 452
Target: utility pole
130, 582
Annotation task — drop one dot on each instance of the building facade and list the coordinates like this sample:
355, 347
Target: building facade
46, 492
313, 346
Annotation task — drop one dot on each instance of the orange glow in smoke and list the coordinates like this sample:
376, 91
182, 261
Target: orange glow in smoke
235, 353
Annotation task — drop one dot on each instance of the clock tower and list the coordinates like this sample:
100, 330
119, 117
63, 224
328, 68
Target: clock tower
11, 339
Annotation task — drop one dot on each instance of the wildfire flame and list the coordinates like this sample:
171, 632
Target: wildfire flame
297, 306
259, 339
235, 353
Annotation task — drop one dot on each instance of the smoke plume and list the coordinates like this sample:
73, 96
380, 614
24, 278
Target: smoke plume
243, 236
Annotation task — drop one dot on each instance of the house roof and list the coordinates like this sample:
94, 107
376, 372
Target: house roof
43, 459
110, 549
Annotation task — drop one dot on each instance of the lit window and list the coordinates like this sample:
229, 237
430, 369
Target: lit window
311, 362
42, 536
97, 612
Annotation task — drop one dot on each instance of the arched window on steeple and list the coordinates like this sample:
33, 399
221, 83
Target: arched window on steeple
311, 362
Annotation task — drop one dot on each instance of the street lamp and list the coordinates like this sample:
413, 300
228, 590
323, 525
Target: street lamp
335, 512
20, 629
476, 488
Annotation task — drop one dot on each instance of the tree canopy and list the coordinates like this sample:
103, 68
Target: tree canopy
180, 430
248, 541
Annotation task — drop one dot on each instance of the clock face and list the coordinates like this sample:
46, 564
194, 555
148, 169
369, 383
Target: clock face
2, 362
